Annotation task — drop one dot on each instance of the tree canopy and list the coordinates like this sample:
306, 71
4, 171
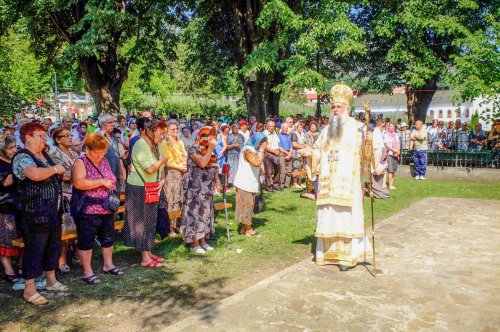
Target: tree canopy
426, 44
104, 37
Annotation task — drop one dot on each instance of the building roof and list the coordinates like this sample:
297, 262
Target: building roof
398, 101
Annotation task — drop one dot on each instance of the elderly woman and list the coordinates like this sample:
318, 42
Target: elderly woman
198, 209
173, 149
38, 192
235, 142
393, 146
92, 180
247, 182
186, 138
148, 163
8, 231
63, 144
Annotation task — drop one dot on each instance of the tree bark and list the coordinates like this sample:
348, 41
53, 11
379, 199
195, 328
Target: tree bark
418, 100
274, 97
104, 80
257, 96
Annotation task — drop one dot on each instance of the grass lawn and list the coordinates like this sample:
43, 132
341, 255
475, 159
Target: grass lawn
153, 298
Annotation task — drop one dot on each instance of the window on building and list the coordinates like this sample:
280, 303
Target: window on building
466, 112
440, 114
458, 114
448, 114
431, 114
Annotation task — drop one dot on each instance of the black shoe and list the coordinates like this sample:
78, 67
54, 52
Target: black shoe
343, 268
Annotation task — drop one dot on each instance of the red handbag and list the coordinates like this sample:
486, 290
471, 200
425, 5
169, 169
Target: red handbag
151, 193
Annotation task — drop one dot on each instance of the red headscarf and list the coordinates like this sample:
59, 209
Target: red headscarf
202, 141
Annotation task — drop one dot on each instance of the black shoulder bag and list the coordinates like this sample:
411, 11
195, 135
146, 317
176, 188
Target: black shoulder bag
112, 202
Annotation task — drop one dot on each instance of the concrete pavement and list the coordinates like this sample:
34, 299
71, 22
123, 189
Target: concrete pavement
438, 268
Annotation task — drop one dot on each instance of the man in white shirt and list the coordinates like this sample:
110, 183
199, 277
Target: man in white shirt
272, 158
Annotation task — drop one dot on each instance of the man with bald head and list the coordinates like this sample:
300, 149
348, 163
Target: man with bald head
272, 156
336, 161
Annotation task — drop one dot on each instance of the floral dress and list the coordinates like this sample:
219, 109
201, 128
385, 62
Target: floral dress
233, 155
198, 208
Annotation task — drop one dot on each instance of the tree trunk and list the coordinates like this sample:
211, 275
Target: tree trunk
104, 84
274, 97
418, 101
257, 96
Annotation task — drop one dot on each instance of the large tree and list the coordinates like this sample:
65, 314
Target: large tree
273, 43
104, 37
421, 44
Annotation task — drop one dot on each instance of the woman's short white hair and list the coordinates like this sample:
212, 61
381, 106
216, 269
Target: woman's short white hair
104, 118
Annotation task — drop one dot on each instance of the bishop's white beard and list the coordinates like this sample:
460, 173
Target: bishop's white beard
336, 127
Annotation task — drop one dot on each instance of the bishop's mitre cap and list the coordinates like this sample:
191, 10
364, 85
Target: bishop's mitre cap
341, 93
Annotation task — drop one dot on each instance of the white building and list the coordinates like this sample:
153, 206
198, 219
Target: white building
441, 108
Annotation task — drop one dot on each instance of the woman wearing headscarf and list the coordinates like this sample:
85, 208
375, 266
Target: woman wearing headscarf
199, 184
247, 181
147, 166
235, 142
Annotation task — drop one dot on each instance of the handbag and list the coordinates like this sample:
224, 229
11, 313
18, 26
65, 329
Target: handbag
259, 203
67, 220
112, 202
151, 193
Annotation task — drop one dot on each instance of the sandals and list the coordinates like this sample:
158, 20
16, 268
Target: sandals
255, 234
92, 280
64, 268
152, 263
37, 299
11, 278
57, 287
157, 258
114, 271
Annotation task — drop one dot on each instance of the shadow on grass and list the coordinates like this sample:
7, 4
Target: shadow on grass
155, 297
308, 240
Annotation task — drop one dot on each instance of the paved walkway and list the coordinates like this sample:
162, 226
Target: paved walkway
439, 269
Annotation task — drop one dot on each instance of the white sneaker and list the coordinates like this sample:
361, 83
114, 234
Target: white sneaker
206, 247
417, 177
197, 250
422, 177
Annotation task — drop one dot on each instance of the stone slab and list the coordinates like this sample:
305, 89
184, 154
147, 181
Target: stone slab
438, 269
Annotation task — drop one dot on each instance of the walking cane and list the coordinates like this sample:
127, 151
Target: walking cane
225, 209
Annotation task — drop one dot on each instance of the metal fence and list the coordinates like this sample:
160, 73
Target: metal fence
460, 158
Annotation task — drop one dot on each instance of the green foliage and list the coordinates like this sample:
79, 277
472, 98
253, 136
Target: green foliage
473, 121
415, 42
307, 29
187, 105
23, 79
104, 38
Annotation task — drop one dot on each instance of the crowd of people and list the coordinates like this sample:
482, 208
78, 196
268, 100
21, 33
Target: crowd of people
69, 175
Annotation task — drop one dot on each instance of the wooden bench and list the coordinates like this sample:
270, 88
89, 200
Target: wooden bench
70, 234
67, 234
